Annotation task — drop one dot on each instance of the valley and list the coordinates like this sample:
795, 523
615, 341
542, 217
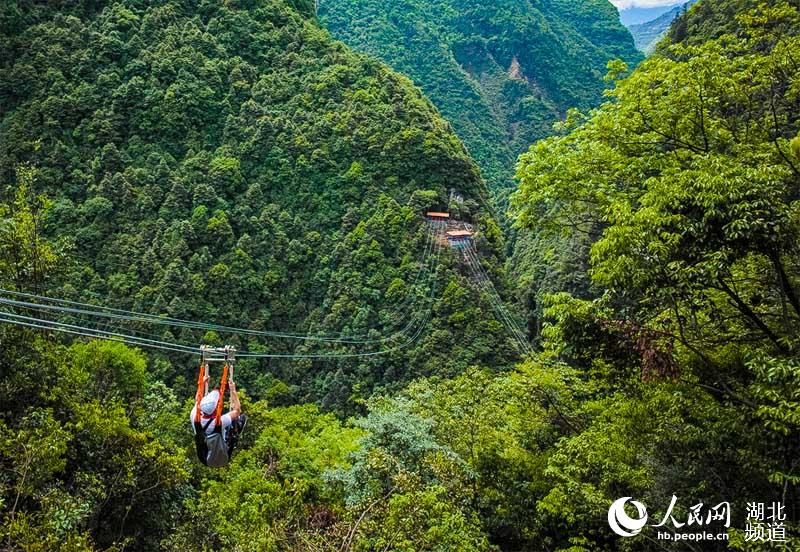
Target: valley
348, 275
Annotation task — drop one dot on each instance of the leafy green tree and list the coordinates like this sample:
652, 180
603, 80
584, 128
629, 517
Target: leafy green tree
26, 255
685, 181
82, 469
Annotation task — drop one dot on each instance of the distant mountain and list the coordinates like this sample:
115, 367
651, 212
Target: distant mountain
635, 16
646, 35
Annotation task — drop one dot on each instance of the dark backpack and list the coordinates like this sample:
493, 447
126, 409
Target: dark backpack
211, 449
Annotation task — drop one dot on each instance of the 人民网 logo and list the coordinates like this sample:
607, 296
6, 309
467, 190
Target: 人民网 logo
621, 523
700, 522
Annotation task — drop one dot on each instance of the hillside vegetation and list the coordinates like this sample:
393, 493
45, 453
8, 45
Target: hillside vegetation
501, 73
685, 182
229, 162
710, 20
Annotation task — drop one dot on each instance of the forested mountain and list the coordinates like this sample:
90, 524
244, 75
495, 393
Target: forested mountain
231, 162
711, 20
502, 72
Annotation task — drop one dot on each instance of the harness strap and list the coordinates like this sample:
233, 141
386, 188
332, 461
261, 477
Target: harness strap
200, 443
223, 384
199, 395
200, 429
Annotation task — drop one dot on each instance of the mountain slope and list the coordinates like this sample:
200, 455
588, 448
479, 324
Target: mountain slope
501, 73
232, 163
635, 15
647, 34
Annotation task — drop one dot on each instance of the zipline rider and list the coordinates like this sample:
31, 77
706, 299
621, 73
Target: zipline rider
216, 434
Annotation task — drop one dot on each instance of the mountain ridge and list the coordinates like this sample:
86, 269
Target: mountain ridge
462, 57
637, 15
647, 34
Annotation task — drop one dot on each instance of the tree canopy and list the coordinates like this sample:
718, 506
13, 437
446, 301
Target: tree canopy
500, 73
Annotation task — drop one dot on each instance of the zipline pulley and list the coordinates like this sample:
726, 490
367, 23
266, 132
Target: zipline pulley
226, 354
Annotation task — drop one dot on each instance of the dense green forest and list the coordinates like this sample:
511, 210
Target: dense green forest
502, 72
712, 20
647, 35
231, 163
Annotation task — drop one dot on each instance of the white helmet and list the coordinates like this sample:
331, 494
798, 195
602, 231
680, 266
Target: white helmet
209, 403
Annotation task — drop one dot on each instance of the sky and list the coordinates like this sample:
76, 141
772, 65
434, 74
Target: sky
626, 4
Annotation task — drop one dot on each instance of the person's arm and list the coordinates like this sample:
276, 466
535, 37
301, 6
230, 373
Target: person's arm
236, 406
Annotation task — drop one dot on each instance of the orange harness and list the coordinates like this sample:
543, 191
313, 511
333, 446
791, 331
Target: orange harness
223, 385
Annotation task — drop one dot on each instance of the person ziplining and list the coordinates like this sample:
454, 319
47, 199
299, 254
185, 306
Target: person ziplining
216, 434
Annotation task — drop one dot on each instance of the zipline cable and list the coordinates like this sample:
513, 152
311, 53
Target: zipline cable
409, 342
485, 283
401, 309
407, 304
44, 324
90, 332
131, 316
488, 286
92, 335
